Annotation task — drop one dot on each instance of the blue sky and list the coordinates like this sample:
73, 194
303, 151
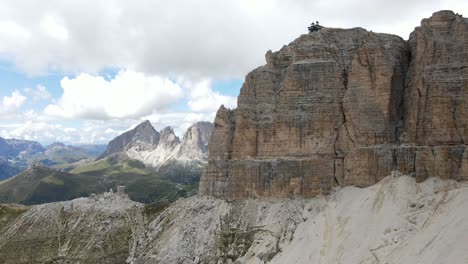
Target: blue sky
85, 71
12, 79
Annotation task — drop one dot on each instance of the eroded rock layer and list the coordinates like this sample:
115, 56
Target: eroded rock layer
395, 221
346, 107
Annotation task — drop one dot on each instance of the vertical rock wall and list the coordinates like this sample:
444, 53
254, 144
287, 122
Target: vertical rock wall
346, 107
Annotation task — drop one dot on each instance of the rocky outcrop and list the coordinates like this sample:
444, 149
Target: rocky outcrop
85, 230
342, 107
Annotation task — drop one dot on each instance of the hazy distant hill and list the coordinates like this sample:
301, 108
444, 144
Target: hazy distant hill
16, 155
41, 184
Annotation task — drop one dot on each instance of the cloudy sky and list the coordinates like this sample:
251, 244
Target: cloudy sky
84, 71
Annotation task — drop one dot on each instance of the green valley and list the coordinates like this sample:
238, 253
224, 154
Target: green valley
41, 184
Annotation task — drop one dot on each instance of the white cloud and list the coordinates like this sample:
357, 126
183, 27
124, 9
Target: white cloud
29, 130
207, 38
204, 99
129, 95
46, 133
13, 102
54, 27
39, 93
13, 30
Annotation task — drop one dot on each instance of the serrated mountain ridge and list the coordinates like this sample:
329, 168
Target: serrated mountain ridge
163, 150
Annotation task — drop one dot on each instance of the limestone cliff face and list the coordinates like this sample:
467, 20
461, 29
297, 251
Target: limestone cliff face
436, 98
346, 107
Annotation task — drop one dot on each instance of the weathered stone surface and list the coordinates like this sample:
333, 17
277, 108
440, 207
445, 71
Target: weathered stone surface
346, 107
438, 81
81, 231
142, 137
393, 221
436, 116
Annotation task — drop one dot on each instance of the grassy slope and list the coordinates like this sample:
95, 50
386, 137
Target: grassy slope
141, 184
41, 184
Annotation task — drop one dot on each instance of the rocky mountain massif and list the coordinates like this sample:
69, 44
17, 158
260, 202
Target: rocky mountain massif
180, 160
341, 107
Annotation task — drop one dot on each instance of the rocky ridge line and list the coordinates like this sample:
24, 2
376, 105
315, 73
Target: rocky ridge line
164, 151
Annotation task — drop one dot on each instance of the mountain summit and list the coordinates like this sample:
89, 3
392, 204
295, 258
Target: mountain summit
163, 150
142, 137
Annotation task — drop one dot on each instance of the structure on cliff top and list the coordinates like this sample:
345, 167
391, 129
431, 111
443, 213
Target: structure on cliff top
314, 27
346, 107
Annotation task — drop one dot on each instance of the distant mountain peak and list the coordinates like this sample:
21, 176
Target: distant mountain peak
168, 137
142, 137
164, 149
56, 144
145, 123
167, 130
195, 141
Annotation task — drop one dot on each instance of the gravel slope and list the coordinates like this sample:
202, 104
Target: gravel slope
394, 221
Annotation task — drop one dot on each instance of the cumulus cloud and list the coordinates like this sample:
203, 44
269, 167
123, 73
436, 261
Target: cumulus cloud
129, 95
14, 101
204, 99
39, 93
46, 133
11, 104
54, 27
13, 30
205, 38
